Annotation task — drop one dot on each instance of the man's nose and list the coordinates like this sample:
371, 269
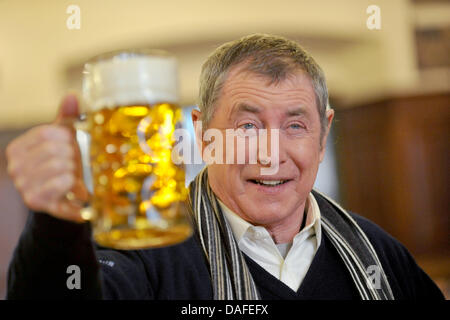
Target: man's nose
270, 150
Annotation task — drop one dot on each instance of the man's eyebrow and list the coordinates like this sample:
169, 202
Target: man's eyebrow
243, 107
300, 111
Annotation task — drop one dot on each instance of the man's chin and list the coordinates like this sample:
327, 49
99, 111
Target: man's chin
263, 205
264, 215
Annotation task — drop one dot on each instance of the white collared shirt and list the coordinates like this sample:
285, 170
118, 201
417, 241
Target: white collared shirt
256, 242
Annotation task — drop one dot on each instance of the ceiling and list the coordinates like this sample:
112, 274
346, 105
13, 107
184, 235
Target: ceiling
41, 59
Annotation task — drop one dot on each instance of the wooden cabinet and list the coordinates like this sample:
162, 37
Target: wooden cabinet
393, 158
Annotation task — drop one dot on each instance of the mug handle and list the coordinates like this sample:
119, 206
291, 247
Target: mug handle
82, 138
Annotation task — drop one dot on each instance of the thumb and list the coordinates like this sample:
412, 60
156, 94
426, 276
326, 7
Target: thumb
68, 109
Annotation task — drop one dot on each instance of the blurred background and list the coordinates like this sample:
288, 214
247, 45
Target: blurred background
388, 156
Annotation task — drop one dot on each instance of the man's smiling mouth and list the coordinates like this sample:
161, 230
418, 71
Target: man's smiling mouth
269, 183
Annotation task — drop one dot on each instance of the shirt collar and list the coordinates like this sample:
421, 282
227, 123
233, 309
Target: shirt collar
314, 218
240, 227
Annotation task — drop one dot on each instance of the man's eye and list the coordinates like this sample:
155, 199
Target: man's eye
295, 126
248, 126
295, 129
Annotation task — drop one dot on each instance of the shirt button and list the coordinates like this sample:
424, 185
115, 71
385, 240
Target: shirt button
256, 236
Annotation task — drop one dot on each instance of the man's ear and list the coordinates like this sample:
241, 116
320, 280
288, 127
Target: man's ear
197, 122
329, 115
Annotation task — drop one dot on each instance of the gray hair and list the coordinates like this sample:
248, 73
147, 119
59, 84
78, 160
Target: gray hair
272, 56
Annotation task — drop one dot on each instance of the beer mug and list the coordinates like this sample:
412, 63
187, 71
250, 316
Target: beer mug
130, 112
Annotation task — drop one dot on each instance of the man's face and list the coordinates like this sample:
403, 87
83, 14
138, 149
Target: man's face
247, 101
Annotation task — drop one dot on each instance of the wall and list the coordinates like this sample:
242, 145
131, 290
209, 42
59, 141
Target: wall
38, 49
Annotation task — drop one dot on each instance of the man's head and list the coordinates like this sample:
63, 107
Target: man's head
270, 56
266, 82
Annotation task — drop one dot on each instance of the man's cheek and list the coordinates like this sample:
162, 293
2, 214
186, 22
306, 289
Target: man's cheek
305, 155
298, 155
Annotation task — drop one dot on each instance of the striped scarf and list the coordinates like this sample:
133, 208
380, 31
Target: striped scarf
230, 276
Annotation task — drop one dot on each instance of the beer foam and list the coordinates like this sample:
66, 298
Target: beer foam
127, 79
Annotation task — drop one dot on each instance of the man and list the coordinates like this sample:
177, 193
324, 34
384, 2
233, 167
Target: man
257, 236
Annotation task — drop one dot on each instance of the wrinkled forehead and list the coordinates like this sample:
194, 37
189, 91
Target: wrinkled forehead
240, 77
245, 92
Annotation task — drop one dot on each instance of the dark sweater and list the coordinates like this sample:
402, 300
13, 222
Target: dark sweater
48, 246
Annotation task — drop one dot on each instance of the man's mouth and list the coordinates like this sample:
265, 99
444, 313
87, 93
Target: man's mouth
269, 183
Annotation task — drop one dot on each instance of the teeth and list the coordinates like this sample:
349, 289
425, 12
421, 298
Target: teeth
271, 182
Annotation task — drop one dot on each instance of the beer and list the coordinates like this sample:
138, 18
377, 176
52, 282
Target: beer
138, 194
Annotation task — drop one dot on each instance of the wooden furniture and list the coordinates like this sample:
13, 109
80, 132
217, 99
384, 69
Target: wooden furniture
393, 158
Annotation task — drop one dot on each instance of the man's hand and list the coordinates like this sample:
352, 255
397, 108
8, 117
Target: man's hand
44, 164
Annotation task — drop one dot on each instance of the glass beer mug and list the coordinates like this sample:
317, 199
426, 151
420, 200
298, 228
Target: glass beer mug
137, 194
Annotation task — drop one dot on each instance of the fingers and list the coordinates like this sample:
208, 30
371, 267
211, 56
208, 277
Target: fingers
80, 191
66, 210
20, 146
46, 197
44, 165
39, 197
53, 167
50, 198
44, 152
